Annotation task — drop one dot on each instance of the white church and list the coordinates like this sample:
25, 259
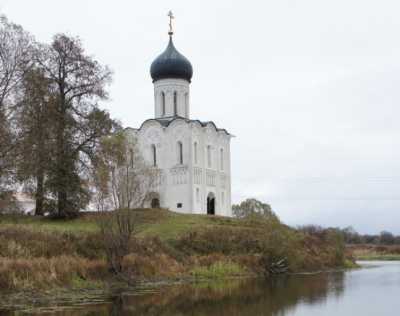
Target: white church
192, 156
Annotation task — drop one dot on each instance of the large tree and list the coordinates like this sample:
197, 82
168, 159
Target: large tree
79, 82
35, 115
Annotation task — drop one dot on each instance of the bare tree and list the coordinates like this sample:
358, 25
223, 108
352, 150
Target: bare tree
16, 47
116, 230
123, 180
122, 177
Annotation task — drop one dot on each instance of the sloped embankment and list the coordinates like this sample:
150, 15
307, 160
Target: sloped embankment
41, 254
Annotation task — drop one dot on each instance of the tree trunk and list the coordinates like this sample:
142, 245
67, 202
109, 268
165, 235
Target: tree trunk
62, 178
39, 194
40, 171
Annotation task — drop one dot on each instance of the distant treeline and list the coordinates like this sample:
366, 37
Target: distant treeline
351, 236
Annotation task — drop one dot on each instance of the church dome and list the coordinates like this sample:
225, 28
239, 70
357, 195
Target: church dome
171, 64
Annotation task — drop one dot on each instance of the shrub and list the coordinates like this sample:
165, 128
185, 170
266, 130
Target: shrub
116, 231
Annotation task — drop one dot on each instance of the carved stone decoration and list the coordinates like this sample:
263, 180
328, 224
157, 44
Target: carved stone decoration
196, 130
209, 135
223, 180
198, 175
153, 136
179, 175
211, 178
179, 132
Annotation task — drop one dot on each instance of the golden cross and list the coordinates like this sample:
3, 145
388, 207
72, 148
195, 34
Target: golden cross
171, 16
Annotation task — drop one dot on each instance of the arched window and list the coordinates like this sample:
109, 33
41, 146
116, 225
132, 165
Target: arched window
163, 103
197, 195
175, 103
180, 153
195, 153
209, 156
131, 157
221, 157
154, 154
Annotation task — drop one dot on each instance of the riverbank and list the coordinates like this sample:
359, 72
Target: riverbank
374, 252
39, 255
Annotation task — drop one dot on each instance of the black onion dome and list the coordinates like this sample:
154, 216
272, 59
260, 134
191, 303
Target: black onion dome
171, 64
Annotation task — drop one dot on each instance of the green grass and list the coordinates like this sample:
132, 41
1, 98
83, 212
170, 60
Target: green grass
218, 270
349, 264
162, 223
172, 225
79, 225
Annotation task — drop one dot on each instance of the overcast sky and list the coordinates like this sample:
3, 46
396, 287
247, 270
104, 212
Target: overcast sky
310, 88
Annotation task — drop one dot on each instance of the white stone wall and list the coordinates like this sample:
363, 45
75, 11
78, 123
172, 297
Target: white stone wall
190, 182
211, 176
168, 87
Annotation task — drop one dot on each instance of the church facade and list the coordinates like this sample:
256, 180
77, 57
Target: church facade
192, 156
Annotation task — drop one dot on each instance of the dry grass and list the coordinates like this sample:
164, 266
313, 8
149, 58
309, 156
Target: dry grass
42, 273
219, 270
375, 252
38, 253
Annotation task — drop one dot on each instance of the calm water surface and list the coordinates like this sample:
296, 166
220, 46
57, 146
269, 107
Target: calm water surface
373, 290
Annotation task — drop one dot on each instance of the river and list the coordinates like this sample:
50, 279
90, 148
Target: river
372, 290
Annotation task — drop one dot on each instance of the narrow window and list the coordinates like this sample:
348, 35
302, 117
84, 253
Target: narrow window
186, 104
195, 153
180, 153
175, 103
131, 156
154, 154
221, 159
197, 195
209, 156
163, 103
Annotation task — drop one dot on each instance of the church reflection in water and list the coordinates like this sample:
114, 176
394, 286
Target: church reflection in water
278, 296
234, 297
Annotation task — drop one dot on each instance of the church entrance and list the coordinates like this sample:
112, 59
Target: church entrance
152, 200
155, 203
211, 204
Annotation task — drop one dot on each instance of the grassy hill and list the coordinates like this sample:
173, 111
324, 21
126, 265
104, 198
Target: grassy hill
155, 222
41, 253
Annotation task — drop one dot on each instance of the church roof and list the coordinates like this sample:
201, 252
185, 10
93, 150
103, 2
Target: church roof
171, 64
165, 122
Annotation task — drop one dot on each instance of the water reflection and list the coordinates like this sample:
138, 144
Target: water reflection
320, 294
239, 297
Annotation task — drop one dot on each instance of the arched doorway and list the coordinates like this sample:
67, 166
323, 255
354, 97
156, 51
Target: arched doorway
155, 203
211, 204
152, 200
